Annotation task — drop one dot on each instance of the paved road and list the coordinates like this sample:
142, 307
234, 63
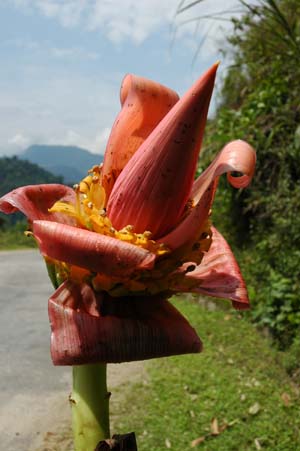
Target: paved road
34, 406
32, 391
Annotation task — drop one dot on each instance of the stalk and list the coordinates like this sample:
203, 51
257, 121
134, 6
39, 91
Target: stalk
90, 406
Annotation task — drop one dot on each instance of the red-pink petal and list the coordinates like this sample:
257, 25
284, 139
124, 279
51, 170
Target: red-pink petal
153, 188
35, 200
90, 250
144, 104
189, 228
218, 274
89, 328
236, 156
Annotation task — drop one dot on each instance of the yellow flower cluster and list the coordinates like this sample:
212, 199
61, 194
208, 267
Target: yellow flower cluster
89, 212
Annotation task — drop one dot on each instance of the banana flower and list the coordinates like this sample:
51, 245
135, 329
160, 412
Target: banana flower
136, 230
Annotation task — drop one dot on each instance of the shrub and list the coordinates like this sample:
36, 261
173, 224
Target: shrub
260, 103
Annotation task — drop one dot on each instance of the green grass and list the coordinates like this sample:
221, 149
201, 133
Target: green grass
236, 374
14, 238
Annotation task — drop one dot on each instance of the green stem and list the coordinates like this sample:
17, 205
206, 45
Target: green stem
90, 406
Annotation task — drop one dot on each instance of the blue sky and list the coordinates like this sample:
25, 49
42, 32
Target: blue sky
62, 62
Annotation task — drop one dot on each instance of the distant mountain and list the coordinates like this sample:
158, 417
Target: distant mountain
72, 163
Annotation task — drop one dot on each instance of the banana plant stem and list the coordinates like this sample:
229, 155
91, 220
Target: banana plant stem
90, 406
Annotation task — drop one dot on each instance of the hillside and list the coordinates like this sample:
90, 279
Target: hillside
15, 172
72, 163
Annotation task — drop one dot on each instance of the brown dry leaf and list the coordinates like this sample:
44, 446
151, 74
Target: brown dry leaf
286, 399
223, 427
215, 431
197, 441
214, 426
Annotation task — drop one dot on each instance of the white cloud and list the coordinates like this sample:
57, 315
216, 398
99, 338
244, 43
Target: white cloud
19, 141
100, 140
25, 44
73, 52
46, 48
117, 19
68, 12
133, 20
55, 103
94, 143
129, 19
49, 8
71, 110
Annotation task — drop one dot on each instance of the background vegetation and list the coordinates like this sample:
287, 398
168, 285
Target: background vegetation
15, 173
228, 398
236, 395
260, 102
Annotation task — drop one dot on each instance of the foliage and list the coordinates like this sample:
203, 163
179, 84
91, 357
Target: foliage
260, 103
15, 173
13, 237
290, 360
234, 381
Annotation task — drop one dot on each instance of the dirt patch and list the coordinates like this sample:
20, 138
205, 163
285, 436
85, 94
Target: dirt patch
56, 435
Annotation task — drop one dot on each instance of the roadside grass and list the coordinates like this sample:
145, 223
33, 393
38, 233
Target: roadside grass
235, 396
14, 238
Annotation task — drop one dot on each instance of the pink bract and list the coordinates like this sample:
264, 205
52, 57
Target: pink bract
116, 274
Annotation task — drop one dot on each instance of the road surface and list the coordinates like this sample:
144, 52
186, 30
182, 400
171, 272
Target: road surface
34, 408
30, 386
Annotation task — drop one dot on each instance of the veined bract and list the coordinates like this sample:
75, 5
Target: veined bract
136, 230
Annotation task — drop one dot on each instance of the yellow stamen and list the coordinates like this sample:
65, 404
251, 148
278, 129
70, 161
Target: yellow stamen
89, 212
